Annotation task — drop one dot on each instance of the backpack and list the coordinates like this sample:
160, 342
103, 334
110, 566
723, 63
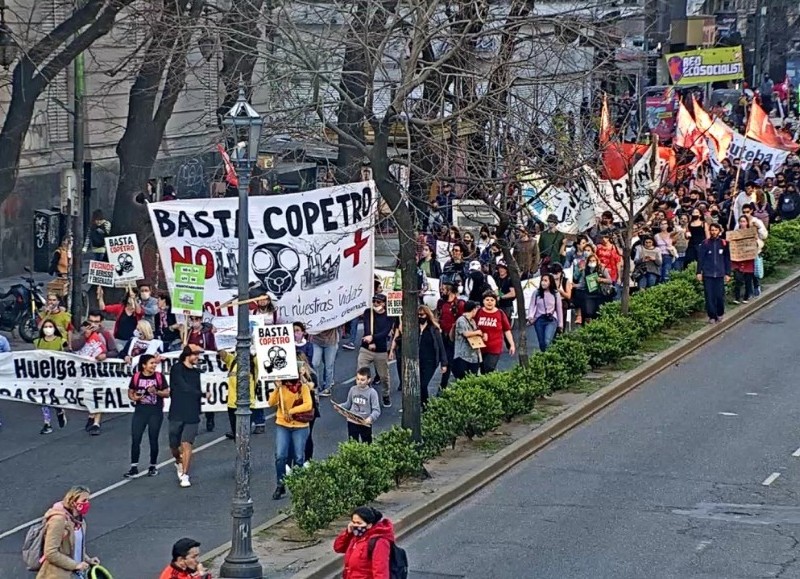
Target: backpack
787, 204
159, 379
398, 559
33, 545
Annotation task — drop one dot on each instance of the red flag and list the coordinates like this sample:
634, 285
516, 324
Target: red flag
606, 128
720, 133
760, 128
689, 136
230, 173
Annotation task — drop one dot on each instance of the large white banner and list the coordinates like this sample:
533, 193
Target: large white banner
572, 203
313, 251
640, 183
69, 381
749, 151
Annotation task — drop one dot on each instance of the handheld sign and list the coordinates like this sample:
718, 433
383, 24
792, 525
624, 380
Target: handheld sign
126, 259
275, 350
744, 243
394, 304
349, 415
101, 273
187, 295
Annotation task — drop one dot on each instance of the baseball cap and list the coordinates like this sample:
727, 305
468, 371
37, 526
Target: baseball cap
379, 298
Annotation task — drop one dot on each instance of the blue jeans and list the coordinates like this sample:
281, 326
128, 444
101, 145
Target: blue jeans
667, 262
257, 417
353, 330
323, 359
648, 280
545, 331
289, 440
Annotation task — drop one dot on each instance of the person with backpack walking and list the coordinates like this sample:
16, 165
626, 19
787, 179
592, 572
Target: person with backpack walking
99, 229
146, 391
57, 547
448, 309
369, 548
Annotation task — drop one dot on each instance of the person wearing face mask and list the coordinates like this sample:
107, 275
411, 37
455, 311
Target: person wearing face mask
127, 314
697, 232
448, 309
484, 239
142, 342
586, 289
54, 311
295, 410
51, 339
64, 554
545, 312
714, 270
432, 354
167, 328
148, 304
374, 351
185, 562
366, 544
300, 342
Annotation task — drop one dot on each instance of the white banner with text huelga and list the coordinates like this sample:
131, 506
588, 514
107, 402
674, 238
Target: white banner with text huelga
313, 251
65, 380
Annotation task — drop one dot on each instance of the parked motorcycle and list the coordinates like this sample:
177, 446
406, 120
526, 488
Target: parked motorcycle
19, 308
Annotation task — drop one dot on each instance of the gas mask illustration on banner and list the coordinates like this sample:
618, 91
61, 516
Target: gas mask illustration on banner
125, 261
276, 359
276, 266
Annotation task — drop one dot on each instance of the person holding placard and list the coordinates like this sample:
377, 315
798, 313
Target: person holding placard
295, 410
363, 406
127, 314
744, 270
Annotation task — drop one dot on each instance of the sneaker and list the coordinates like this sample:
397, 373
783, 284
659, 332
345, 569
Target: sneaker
230, 436
387, 402
134, 470
62, 419
94, 429
259, 429
185, 481
737, 302
89, 424
179, 469
152, 470
747, 301
280, 490
325, 392
46, 429
210, 423
345, 346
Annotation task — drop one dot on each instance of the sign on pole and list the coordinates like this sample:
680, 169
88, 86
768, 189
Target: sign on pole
744, 243
705, 65
394, 304
101, 273
187, 294
123, 253
275, 350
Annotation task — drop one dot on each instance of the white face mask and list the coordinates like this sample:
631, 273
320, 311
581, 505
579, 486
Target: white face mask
137, 334
145, 295
49, 331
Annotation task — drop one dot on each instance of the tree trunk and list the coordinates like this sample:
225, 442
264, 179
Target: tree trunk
521, 331
401, 210
37, 67
153, 95
626, 268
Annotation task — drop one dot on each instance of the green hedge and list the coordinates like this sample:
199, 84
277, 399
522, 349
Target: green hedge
359, 473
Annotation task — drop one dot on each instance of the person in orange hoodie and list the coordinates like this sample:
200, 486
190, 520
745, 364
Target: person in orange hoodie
366, 544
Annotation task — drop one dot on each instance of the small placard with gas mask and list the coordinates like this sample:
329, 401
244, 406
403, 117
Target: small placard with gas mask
275, 349
123, 253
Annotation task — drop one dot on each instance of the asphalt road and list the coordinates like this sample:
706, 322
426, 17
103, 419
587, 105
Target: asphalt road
133, 524
693, 475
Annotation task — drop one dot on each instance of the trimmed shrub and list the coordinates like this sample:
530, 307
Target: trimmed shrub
510, 392
477, 411
607, 339
401, 452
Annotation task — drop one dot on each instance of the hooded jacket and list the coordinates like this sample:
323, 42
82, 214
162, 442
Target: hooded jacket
357, 562
59, 544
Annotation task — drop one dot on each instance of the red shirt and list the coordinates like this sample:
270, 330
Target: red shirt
172, 572
609, 258
494, 324
448, 313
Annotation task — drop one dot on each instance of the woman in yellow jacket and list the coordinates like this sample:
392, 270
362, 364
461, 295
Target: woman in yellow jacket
229, 359
295, 409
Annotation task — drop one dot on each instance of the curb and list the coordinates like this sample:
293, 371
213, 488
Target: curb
501, 462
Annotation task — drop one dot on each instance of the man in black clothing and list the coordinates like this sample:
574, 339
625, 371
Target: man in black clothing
186, 397
378, 328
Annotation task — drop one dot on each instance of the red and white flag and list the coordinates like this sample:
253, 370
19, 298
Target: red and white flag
230, 172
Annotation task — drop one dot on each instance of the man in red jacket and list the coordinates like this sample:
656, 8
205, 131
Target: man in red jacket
185, 562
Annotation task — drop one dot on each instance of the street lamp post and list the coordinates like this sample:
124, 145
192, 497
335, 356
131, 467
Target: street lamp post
244, 124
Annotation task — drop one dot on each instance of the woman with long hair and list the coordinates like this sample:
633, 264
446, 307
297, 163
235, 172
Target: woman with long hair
146, 390
432, 354
295, 410
366, 544
587, 280
64, 554
142, 342
51, 339
167, 329
545, 311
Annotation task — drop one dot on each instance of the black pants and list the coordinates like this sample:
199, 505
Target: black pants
450, 350
147, 416
359, 432
310, 441
743, 279
714, 291
489, 363
461, 368
426, 371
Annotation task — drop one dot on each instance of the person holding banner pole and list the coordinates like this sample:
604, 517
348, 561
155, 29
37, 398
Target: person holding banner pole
51, 339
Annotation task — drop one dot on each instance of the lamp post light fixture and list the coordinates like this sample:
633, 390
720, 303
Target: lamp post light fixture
243, 125
8, 48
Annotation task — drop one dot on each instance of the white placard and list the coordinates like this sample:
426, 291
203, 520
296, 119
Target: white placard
101, 273
123, 253
275, 350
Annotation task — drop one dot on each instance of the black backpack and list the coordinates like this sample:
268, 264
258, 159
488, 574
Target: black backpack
398, 559
97, 236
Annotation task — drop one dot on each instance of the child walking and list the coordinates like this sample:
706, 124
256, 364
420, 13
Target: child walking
362, 401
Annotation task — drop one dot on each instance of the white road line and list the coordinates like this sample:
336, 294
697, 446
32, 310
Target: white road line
752, 394
771, 479
796, 452
727, 414
121, 483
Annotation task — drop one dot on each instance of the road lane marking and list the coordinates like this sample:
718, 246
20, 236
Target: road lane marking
752, 394
121, 483
727, 414
796, 452
771, 479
